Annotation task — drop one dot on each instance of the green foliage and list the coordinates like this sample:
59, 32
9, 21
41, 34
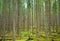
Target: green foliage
54, 6
0, 6
24, 33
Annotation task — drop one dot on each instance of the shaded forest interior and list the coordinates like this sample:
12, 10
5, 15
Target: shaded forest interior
29, 20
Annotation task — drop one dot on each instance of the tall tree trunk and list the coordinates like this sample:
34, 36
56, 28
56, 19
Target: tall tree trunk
28, 16
38, 17
18, 22
48, 14
4, 18
14, 19
59, 15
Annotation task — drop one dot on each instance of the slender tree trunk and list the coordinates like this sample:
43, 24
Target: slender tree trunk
14, 19
28, 16
48, 14
18, 22
4, 18
59, 15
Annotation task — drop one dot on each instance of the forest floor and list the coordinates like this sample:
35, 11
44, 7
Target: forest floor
41, 38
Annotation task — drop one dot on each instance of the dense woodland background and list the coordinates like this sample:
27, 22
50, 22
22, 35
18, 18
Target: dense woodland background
36, 17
